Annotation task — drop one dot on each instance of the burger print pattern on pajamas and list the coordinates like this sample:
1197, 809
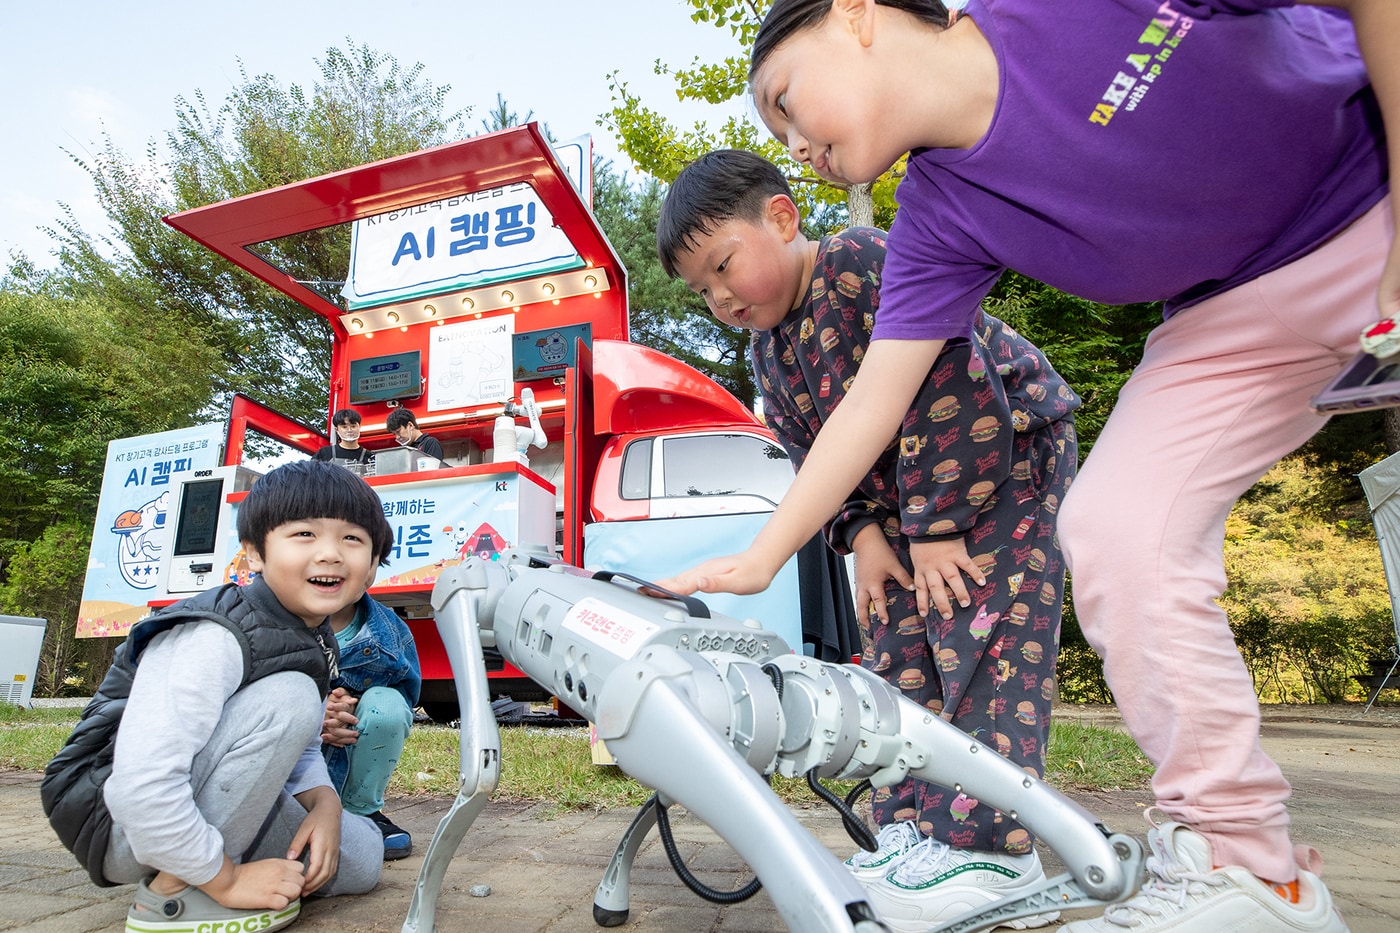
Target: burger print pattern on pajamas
987, 452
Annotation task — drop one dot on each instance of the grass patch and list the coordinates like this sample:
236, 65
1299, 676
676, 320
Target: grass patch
537, 764
544, 765
30, 737
1087, 757
555, 765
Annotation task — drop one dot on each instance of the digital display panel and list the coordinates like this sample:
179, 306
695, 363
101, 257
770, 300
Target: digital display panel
386, 378
198, 525
546, 354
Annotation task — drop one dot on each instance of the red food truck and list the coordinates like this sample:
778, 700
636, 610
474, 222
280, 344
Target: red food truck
479, 279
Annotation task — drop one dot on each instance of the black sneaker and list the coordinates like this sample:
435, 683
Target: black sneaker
397, 842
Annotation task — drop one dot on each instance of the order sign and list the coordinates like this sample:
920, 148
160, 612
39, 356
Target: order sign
608, 627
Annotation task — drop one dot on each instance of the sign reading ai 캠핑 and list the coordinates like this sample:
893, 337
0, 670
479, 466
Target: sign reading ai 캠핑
469, 240
129, 537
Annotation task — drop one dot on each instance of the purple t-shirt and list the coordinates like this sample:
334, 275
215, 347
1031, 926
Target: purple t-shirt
1140, 151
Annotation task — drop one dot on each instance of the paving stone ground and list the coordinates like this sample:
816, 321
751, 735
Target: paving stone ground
543, 868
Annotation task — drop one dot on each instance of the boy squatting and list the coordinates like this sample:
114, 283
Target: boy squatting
196, 771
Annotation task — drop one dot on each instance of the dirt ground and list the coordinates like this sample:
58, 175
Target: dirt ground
1344, 765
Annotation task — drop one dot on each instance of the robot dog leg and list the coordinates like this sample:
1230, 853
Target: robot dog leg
591, 653
480, 752
690, 705
824, 704
841, 721
668, 699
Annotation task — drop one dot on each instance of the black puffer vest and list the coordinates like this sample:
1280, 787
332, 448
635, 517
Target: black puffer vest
273, 640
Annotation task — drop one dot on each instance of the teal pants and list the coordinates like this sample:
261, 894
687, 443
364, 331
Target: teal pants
385, 718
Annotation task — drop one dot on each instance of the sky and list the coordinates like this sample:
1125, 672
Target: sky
76, 70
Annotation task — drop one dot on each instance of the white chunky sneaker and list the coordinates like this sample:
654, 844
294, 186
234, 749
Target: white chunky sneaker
1184, 893
935, 883
891, 844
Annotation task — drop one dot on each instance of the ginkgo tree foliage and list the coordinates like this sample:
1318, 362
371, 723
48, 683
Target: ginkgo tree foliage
660, 148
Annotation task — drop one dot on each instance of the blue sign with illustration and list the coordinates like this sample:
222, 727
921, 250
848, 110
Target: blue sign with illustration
545, 354
131, 530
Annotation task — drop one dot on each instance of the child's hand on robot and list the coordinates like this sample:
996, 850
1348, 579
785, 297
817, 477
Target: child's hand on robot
939, 566
338, 727
747, 572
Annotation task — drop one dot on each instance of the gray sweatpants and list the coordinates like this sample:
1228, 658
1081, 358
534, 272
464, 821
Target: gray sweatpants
239, 782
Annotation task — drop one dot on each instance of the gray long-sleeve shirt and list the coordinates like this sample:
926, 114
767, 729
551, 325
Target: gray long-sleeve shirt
184, 679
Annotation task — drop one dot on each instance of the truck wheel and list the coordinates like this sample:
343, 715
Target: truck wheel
443, 713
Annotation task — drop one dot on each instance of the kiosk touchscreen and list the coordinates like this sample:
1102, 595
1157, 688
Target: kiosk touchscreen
202, 525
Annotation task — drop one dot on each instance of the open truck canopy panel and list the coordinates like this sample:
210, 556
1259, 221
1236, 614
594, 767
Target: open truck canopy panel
519, 154
638, 390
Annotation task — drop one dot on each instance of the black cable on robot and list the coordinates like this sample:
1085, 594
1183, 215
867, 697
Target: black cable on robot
663, 826
855, 826
668, 842
775, 674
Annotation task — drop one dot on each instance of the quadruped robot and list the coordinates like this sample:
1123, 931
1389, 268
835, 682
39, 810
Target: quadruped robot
700, 707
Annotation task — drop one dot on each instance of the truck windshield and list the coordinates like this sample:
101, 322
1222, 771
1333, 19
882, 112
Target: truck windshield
725, 465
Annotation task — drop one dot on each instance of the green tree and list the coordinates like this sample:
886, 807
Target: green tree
502, 117
364, 106
79, 367
661, 149
1307, 596
1347, 445
44, 579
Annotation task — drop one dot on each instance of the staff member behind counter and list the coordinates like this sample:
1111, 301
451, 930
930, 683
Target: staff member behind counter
346, 448
405, 429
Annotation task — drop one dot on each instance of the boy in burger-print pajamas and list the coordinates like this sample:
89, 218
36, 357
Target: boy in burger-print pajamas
985, 455
986, 452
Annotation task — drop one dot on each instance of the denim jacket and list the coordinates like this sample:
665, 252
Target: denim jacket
382, 654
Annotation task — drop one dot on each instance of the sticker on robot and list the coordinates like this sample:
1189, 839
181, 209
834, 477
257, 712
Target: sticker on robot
608, 627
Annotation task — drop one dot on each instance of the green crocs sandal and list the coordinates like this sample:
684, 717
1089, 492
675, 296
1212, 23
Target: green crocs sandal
191, 911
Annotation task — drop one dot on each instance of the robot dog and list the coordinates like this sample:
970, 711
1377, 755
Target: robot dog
689, 702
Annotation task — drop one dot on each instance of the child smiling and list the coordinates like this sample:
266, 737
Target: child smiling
196, 770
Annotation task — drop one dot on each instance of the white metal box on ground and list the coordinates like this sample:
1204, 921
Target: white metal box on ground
20, 640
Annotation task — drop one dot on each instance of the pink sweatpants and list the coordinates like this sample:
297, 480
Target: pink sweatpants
1220, 396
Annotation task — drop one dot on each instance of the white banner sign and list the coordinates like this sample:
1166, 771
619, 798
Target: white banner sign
469, 240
